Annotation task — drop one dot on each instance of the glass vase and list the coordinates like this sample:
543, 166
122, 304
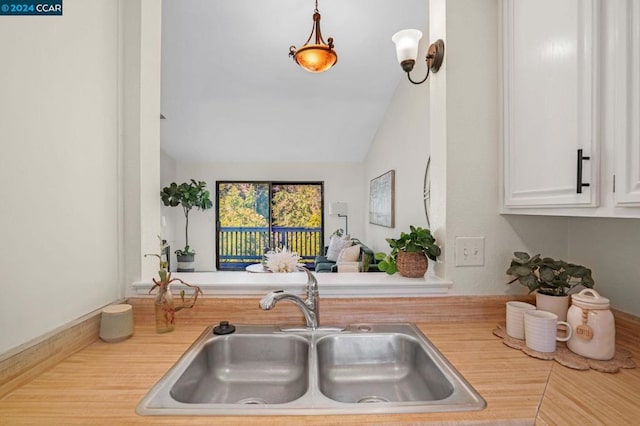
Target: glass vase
164, 311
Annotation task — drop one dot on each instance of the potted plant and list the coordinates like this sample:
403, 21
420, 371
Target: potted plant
409, 253
551, 280
188, 195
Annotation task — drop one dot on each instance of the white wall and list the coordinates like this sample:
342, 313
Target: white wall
464, 139
168, 169
401, 144
467, 89
465, 119
611, 249
59, 168
141, 45
454, 118
342, 182
472, 152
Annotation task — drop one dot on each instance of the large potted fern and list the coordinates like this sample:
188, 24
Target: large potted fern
187, 195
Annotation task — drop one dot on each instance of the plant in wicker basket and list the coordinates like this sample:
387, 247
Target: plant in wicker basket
409, 253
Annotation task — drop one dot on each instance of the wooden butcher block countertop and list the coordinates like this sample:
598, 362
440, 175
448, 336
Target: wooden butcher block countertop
103, 383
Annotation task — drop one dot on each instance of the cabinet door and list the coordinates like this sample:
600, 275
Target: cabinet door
627, 103
550, 105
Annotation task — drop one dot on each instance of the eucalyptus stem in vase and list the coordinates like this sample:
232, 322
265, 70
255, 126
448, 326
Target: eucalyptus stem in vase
164, 304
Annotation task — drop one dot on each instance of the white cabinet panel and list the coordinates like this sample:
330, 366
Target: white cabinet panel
627, 103
550, 104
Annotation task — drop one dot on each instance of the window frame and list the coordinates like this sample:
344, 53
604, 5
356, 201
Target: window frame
271, 184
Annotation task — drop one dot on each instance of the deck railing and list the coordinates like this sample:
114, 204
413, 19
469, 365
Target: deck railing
239, 247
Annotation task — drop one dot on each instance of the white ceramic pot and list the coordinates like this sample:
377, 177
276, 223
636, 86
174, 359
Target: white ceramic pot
594, 332
555, 304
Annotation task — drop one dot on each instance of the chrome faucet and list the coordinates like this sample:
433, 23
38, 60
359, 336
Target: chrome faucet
309, 307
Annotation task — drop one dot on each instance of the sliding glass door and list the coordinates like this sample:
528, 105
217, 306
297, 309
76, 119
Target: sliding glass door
254, 217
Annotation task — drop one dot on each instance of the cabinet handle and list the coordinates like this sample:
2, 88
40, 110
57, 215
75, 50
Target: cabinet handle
581, 184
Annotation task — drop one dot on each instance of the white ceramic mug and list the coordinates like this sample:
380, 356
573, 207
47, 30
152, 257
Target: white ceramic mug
515, 318
541, 330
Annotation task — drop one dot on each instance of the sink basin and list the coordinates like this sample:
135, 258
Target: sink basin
378, 368
246, 369
266, 370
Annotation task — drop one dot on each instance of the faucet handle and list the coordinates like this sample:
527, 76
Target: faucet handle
312, 283
268, 301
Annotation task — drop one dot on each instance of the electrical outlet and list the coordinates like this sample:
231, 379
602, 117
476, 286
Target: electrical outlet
469, 251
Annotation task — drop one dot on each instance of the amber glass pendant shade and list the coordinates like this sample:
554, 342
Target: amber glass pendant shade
318, 56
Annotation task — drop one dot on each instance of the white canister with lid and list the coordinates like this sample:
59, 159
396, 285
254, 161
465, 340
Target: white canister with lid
594, 333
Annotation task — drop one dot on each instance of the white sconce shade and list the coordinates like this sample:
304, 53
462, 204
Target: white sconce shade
338, 208
407, 44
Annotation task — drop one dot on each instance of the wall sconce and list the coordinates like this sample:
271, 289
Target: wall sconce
407, 50
340, 210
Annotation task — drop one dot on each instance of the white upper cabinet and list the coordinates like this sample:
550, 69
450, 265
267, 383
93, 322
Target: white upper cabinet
571, 107
627, 102
550, 105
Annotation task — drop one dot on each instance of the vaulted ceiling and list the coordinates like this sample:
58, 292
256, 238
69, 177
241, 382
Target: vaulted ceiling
230, 93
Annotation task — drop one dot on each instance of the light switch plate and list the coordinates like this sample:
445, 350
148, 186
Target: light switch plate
469, 251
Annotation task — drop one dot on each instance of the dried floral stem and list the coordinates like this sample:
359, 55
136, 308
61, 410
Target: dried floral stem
165, 292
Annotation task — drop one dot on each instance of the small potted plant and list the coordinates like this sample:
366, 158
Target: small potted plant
409, 253
188, 195
551, 280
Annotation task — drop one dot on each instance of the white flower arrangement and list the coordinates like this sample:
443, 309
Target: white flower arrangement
282, 260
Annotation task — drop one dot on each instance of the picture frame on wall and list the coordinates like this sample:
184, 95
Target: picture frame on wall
382, 199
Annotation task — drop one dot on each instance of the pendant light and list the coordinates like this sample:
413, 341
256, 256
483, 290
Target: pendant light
318, 56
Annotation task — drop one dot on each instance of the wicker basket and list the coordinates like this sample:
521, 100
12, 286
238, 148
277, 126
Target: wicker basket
412, 265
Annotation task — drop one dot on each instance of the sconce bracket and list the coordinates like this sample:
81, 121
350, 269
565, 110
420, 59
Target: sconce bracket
434, 59
435, 55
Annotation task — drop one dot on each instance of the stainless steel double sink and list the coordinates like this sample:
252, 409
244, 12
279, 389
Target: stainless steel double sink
269, 370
